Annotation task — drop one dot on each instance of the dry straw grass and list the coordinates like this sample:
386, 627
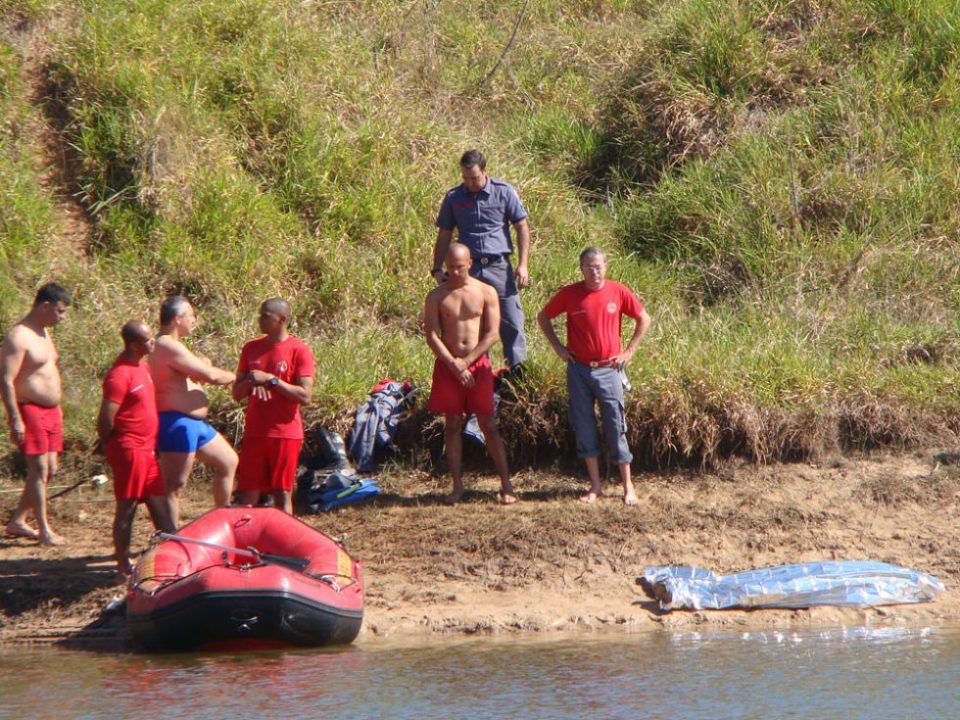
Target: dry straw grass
769, 177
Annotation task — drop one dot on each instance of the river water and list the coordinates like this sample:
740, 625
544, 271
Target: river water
844, 673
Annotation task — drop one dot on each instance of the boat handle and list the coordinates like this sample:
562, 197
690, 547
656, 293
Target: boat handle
330, 579
245, 623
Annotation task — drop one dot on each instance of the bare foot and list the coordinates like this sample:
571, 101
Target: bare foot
51, 538
590, 497
506, 498
125, 569
21, 530
453, 498
631, 499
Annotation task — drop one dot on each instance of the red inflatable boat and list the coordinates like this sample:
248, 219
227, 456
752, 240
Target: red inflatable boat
248, 577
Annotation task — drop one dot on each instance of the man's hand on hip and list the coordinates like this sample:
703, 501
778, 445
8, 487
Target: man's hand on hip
622, 359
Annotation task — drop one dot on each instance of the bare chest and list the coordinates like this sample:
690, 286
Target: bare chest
461, 306
39, 354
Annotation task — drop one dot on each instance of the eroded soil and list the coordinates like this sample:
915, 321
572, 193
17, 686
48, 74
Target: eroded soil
548, 563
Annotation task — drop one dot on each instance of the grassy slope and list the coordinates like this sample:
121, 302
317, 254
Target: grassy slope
776, 179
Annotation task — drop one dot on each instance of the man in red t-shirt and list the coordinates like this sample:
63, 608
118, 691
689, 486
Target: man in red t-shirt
595, 363
275, 377
127, 427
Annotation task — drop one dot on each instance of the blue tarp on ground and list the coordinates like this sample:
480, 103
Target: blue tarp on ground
850, 583
319, 490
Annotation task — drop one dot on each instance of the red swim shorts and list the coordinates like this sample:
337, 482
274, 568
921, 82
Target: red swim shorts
43, 429
136, 474
268, 464
449, 397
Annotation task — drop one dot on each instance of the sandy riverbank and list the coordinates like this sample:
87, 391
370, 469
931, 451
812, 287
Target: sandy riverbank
550, 564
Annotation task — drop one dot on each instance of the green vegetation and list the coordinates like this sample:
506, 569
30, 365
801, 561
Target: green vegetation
777, 179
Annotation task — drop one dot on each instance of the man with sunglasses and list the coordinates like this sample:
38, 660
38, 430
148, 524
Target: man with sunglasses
595, 363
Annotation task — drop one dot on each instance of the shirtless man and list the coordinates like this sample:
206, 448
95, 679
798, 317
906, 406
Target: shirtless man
31, 390
462, 317
184, 435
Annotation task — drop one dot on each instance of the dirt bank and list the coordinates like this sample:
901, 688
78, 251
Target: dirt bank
550, 563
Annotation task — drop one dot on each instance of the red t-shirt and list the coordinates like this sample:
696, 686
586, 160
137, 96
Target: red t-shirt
593, 317
276, 417
130, 385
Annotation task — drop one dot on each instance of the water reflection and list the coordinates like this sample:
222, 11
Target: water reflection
840, 672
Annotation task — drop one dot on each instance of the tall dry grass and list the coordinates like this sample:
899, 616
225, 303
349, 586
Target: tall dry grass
776, 179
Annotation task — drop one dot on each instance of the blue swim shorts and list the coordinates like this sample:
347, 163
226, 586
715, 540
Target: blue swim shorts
182, 433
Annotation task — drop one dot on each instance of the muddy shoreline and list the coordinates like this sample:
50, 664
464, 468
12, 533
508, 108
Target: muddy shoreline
548, 564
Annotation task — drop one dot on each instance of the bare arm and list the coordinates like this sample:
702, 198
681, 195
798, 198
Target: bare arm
198, 369
431, 322
106, 418
242, 387
440, 252
300, 390
522, 272
546, 325
11, 360
643, 323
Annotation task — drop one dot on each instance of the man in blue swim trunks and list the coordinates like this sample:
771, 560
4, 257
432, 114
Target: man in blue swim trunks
184, 434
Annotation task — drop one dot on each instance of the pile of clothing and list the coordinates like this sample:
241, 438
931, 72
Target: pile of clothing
327, 480
375, 425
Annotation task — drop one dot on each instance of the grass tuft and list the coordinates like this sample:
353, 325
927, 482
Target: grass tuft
775, 179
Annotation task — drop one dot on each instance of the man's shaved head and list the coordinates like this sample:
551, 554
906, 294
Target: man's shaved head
278, 306
458, 251
133, 331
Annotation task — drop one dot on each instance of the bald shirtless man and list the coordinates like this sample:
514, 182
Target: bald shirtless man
462, 317
184, 435
31, 389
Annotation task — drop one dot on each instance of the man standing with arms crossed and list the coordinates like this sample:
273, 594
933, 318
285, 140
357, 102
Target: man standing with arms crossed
31, 390
482, 210
183, 434
127, 428
275, 377
594, 358
461, 317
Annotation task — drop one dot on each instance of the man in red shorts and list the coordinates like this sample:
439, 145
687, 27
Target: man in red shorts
127, 427
275, 377
462, 318
31, 389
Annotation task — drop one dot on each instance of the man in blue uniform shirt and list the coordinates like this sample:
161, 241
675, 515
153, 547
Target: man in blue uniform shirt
482, 210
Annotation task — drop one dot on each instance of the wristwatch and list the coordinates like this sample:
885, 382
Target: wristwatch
274, 381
